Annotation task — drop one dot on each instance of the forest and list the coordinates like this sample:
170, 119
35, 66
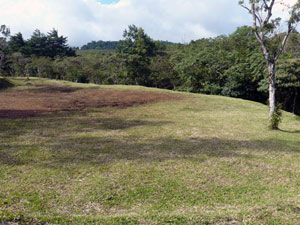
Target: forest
228, 65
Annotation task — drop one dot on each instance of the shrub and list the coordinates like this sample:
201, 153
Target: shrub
4, 84
276, 118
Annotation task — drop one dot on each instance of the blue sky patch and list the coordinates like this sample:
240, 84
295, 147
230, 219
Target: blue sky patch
108, 1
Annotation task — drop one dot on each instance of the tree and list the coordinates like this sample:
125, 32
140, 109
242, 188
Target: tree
272, 43
57, 45
104, 45
43, 67
18, 64
37, 44
246, 68
137, 49
50, 45
17, 43
288, 80
288, 84
5, 32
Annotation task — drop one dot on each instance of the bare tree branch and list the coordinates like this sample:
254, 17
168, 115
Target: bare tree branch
250, 11
265, 4
245, 7
269, 9
283, 43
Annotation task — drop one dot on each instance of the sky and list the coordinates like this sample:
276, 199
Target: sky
85, 20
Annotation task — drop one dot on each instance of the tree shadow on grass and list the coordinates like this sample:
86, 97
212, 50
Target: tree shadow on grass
79, 121
63, 147
116, 123
54, 89
103, 151
290, 132
21, 114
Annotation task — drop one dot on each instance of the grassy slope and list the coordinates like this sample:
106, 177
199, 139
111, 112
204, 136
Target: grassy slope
204, 159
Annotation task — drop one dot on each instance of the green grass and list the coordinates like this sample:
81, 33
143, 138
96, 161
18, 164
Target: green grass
199, 160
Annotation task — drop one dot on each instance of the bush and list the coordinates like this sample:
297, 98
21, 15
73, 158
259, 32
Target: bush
4, 84
276, 118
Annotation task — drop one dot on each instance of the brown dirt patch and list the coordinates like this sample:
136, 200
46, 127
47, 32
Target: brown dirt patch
44, 99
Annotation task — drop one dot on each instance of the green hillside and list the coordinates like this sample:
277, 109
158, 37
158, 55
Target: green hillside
174, 158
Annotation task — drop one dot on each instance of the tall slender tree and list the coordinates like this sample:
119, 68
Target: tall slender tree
267, 32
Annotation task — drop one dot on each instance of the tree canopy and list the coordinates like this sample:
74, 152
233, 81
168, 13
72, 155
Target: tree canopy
49, 45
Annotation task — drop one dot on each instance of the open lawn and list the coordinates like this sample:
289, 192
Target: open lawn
88, 154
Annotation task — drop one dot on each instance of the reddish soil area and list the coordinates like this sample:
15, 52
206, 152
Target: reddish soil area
44, 99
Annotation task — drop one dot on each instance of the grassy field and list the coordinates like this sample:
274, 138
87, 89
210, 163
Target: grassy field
193, 160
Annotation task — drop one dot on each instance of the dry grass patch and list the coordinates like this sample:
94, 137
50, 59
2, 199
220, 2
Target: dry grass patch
44, 98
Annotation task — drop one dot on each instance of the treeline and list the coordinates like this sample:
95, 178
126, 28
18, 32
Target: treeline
104, 45
47, 45
18, 56
230, 65
109, 45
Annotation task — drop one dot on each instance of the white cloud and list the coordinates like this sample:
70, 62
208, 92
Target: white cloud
85, 20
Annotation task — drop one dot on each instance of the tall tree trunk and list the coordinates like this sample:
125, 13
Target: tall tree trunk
272, 88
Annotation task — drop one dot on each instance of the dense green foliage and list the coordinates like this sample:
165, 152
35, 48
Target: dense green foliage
5, 32
4, 84
50, 45
225, 65
230, 66
136, 49
106, 45
110, 45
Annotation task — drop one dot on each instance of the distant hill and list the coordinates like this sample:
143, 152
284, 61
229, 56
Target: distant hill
106, 45
110, 45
